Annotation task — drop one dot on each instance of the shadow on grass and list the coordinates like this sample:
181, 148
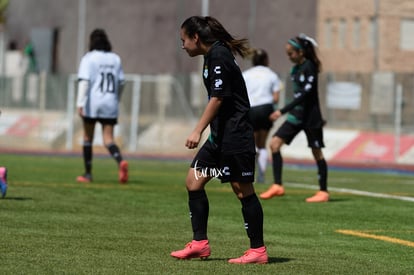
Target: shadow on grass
17, 199
337, 200
272, 260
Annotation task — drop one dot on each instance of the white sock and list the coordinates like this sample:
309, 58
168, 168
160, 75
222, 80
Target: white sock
262, 159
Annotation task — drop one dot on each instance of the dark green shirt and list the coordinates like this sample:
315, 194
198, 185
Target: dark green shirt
304, 109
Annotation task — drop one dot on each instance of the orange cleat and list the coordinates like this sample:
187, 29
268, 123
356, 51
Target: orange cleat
123, 171
320, 196
84, 178
252, 256
194, 249
276, 190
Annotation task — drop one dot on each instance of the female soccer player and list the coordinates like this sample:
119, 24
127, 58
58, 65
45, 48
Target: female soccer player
303, 114
99, 90
229, 152
263, 87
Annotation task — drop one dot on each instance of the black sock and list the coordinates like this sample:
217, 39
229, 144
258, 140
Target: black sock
322, 174
114, 151
199, 208
253, 220
277, 167
87, 157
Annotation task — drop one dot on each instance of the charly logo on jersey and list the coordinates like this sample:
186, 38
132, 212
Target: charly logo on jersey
311, 78
217, 69
217, 83
205, 73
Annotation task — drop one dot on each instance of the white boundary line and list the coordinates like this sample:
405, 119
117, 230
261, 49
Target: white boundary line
355, 192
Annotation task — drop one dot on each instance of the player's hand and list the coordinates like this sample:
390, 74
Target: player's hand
275, 115
193, 140
80, 111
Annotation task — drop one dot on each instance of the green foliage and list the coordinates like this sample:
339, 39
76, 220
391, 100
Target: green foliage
3, 7
49, 224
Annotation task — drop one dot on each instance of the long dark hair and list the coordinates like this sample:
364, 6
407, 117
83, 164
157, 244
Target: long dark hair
260, 58
210, 30
98, 40
306, 44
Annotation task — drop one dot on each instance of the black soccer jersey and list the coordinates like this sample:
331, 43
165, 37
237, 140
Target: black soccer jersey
304, 109
230, 129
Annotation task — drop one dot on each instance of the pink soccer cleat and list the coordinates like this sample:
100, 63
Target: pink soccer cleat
252, 256
194, 249
123, 171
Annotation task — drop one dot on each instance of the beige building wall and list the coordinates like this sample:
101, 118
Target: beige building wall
378, 23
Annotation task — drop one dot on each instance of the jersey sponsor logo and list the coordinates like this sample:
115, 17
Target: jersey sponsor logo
247, 174
217, 83
226, 171
217, 69
207, 172
205, 73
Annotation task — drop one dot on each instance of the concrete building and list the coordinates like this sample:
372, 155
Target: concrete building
146, 32
366, 35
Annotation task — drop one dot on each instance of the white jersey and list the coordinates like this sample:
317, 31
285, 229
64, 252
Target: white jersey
103, 71
261, 83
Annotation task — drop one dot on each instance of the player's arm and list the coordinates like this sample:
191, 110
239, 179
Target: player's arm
276, 96
277, 88
83, 86
208, 115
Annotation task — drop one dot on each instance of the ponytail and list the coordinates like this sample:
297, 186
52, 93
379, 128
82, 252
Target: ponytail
211, 30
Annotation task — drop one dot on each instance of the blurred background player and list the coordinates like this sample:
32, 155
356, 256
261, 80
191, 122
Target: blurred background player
230, 146
101, 79
304, 113
3, 181
263, 87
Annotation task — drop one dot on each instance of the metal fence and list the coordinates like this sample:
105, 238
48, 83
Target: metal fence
158, 111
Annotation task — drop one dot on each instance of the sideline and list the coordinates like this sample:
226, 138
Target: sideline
354, 192
376, 237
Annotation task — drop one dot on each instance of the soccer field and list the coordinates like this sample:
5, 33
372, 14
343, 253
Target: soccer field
49, 224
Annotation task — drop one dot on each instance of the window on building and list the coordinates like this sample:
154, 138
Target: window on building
328, 33
407, 34
357, 33
372, 33
342, 33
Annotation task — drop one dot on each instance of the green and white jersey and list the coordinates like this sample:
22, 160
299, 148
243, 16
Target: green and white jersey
304, 109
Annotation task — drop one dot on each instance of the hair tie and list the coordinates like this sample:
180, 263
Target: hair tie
310, 39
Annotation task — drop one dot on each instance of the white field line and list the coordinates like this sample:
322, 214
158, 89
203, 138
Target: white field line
353, 191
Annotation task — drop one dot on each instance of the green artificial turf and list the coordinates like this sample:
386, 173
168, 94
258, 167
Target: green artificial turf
49, 224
